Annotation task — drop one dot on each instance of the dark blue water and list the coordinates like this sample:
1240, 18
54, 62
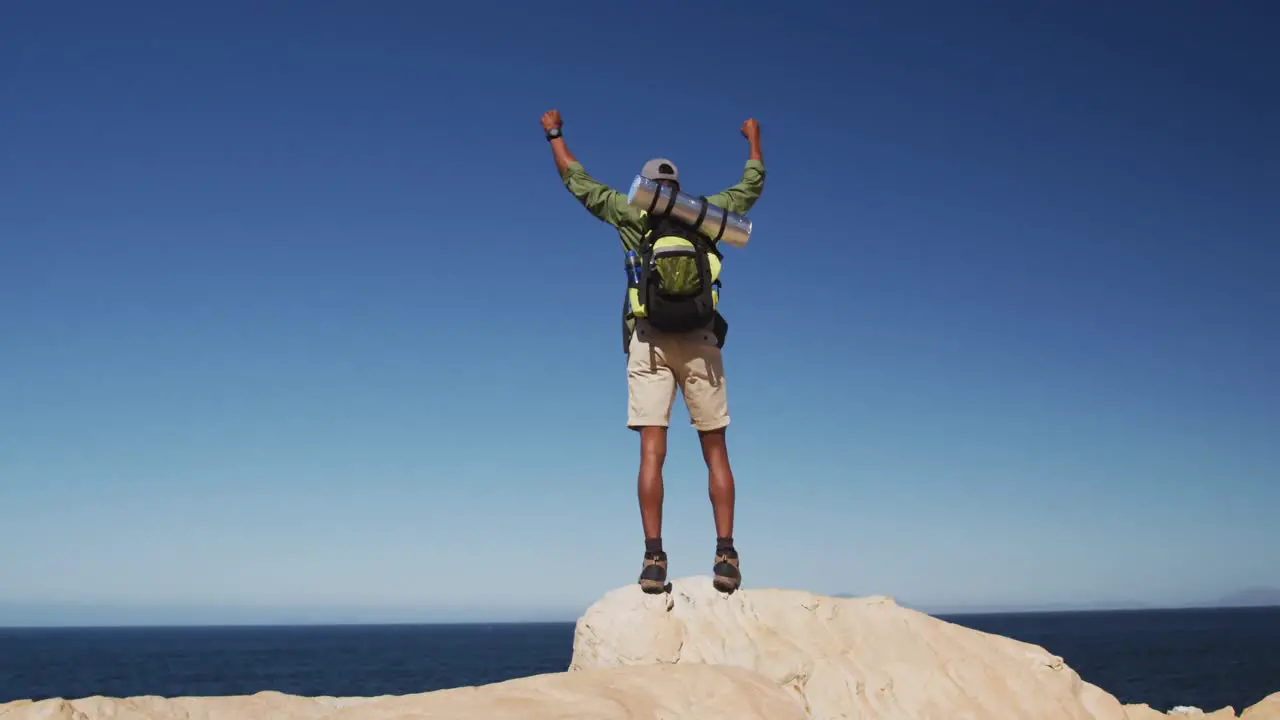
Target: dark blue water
1206, 658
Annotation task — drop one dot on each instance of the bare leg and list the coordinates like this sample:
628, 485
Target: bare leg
719, 480
720, 486
653, 452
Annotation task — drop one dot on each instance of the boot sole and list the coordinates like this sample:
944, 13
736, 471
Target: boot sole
726, 585
653, 587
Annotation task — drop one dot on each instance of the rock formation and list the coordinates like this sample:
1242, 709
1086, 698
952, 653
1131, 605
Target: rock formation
651, 692
1146, 712
859, 657
697, 654
1266, 709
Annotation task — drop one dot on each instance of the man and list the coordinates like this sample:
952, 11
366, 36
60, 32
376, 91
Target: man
658, 362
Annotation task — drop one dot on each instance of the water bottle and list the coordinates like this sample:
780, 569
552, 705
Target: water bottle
633, 268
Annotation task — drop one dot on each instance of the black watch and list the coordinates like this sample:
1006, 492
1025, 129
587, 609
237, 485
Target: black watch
553, 133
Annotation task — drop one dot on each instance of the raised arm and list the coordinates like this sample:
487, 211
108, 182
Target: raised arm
741, 197
599, 199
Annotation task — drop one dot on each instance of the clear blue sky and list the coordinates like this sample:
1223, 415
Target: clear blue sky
298, 321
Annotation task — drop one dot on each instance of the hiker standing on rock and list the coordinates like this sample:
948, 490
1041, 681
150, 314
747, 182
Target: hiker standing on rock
659, 361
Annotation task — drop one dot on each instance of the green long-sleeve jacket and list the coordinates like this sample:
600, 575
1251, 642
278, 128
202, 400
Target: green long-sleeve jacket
611, 206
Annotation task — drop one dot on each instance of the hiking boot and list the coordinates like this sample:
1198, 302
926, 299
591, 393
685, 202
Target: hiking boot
727, 577
653, 575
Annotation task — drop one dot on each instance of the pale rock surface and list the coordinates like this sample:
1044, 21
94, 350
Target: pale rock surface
1143, 711
840, 657
1266, 709
656, 692
1195, 713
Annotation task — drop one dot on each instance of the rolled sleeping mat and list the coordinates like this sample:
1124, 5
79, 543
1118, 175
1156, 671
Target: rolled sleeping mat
715, 222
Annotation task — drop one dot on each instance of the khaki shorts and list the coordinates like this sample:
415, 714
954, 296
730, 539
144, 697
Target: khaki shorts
658, 363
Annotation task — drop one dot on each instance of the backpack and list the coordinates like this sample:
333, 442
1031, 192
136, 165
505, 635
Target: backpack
678, 283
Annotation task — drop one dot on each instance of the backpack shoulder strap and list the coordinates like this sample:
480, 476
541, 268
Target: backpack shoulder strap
712, 243
647, 229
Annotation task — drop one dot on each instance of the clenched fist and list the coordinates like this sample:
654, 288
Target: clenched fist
751, 129
551, 120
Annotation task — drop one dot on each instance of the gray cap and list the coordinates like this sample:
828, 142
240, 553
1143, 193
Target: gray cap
660, 169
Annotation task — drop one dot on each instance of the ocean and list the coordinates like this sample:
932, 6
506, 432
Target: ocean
1204, 657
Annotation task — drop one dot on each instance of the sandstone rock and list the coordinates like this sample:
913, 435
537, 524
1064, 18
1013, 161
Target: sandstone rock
1143, 711
1195, 713
1266, 709
840, 657
687, 692
1146, 712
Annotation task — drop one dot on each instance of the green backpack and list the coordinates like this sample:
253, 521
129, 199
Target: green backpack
678, 283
